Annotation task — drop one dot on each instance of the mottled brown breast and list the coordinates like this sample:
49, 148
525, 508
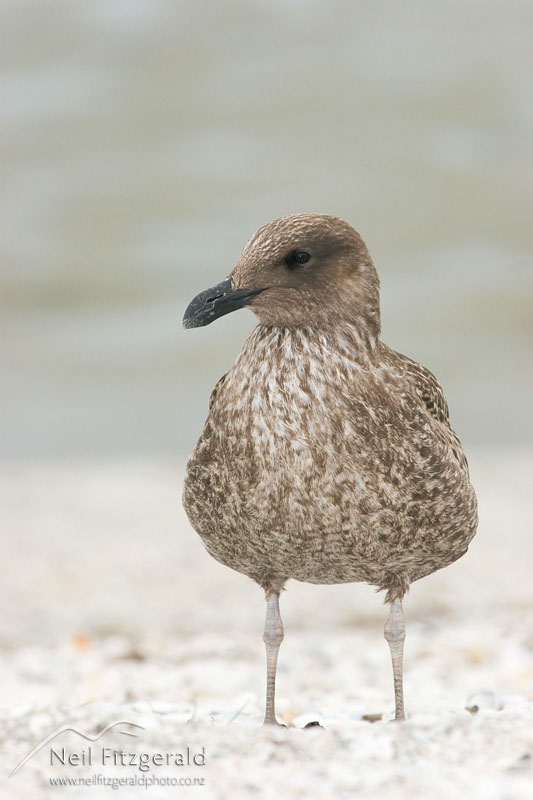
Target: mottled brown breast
326, 461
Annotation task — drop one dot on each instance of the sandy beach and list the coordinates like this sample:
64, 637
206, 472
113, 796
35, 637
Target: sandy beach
114, 612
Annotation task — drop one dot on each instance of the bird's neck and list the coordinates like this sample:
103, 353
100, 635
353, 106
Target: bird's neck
345, 342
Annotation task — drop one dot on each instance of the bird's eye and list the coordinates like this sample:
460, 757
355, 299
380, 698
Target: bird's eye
297, 257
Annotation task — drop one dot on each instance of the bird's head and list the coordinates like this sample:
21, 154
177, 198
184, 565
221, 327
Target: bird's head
303, 270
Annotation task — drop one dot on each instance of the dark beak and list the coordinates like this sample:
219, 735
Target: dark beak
214, 303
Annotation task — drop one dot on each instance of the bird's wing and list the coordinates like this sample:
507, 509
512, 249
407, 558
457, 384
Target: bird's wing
429, 392
214, 393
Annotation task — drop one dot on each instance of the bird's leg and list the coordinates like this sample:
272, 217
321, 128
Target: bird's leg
272, 637
395, 635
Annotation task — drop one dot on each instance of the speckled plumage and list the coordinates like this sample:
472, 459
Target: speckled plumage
326, 457
328, 468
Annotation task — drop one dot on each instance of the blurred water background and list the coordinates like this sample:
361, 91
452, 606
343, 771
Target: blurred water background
144, 141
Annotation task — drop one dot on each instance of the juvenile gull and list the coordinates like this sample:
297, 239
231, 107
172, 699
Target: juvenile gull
326, 457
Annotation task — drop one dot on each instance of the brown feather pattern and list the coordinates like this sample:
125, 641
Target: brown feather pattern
327, 457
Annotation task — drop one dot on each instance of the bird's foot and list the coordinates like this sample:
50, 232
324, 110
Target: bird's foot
273, 721
399, 717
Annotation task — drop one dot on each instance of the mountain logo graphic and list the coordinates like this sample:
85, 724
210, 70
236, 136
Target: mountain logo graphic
64, 729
